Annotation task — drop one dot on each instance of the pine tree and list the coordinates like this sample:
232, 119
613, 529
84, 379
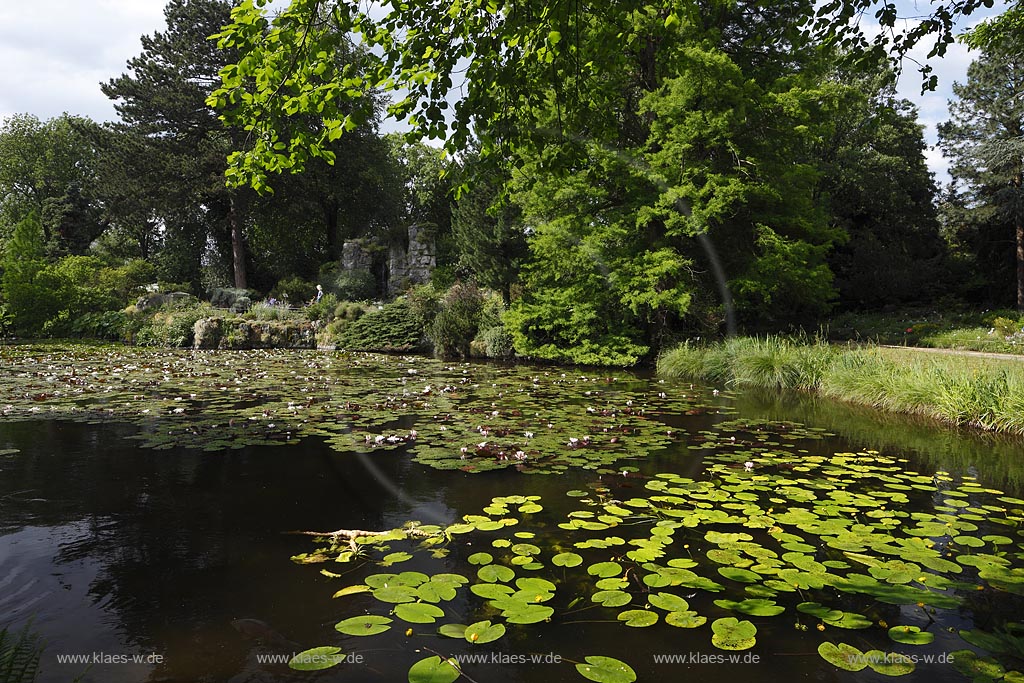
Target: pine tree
985, 140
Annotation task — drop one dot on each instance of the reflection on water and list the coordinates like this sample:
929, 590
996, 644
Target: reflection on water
115, 550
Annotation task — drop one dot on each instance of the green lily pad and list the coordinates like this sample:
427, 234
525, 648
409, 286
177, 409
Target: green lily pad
528, 613
567, 560
495, 572
687, 619
611, 598
352, 590
638, 617
453, 630
368, 625
317, 659
491, 591
480, 558
737, 574
605, 569
846, 657
434, 670
418, 612
732, 634
754, 607
395, 594
668, 602
605, 670
484, 632
889, 663
911, 635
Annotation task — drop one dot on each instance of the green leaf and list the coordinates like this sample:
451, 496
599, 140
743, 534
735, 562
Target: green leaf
733, 634
495, 572
480, 558
737, 574
605, 569
567, 560
368, 625
889, 663
452, 630
491, 591
688, 619
483, 632
606, 670
317, 659
638, 617
418, 612
846, 657
755, 607
395, 594
352, 590
395, 558
911, 635
434, 670
668, 602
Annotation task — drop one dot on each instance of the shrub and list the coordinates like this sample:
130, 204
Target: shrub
1006, 327
491, 311
263, 310
425, 302
391, 328
455, 325
227, 297
110, 325
173, 325
353, 286
294, 290
346, 310
497, 342
322, 310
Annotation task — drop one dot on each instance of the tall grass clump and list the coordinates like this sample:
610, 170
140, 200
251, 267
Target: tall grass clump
19, 655
767, 363
983, 393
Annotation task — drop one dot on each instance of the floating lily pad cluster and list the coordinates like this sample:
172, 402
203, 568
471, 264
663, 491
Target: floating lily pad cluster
470, 417
834, 545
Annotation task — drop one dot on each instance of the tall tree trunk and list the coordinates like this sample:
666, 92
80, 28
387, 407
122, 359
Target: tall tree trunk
237, 245
1020, 264
1019, 225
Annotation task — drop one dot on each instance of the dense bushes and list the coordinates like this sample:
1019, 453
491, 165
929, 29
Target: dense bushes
393, 327
172, 324
73, 296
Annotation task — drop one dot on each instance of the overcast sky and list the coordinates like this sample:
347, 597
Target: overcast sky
55, 53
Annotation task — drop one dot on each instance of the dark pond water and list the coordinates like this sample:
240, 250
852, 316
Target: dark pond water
179, 561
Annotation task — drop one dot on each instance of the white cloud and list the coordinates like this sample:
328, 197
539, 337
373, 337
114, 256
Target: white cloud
55, 53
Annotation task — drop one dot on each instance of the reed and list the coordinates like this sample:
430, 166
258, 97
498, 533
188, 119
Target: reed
978, 392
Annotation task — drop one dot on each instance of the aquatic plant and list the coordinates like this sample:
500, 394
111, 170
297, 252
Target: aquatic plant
830, 543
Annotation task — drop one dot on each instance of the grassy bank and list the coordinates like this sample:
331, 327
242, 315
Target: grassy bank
997, 331
979, 392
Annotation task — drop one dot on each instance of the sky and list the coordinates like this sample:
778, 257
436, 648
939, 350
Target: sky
55, 53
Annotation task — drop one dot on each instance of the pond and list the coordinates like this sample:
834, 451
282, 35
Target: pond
545, 525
